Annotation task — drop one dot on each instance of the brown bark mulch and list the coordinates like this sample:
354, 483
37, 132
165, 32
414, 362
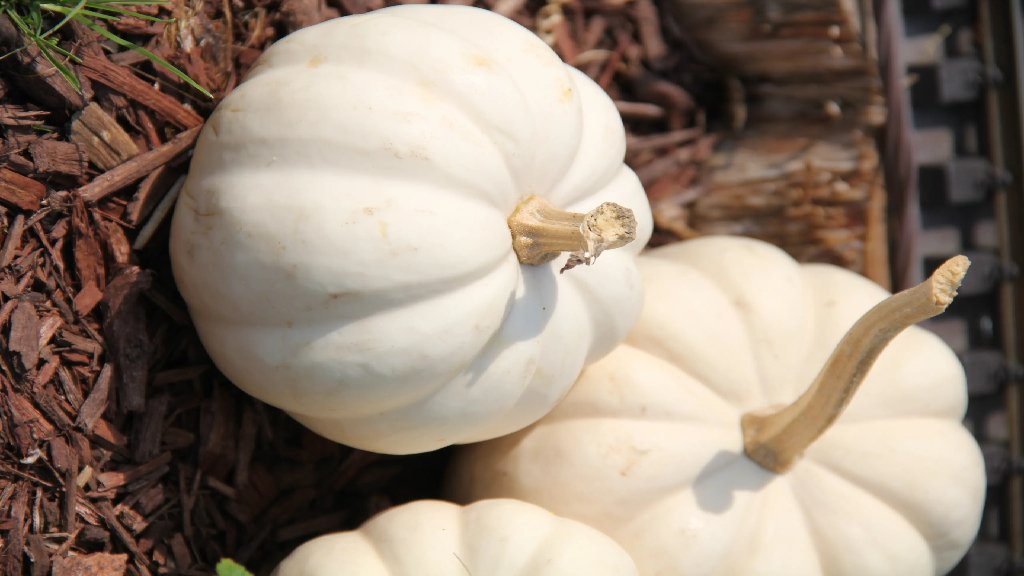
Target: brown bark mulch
124, 451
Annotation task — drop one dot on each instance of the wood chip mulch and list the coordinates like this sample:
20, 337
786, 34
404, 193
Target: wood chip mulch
124, 451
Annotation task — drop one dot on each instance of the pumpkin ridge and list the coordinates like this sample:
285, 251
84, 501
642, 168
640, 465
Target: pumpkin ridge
665, 334
354, 159
381, 300
406, 402
955, 440
418, 517
455, 370
475, 114
537, 132
857, 485
751, 529
552, 538
572, 193
579, 406
356, 163
807, 521
853, 484
664, 357
378, 554
741, 253
477, 121
540, 539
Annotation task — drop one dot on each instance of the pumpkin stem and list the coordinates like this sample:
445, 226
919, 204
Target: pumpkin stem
540, 232
776, 439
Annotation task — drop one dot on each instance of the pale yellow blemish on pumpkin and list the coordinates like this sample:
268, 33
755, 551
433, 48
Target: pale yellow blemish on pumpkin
315, 61
567, 94
382, 229
481, 61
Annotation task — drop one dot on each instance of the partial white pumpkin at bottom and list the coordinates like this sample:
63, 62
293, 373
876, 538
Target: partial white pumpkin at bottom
488, 538
648, 447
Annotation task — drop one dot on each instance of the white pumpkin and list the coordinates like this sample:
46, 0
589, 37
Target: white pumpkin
649, 447
343, 237
488, 538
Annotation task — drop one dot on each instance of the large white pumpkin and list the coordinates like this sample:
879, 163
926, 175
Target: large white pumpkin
648, 446
342, 238
489, 538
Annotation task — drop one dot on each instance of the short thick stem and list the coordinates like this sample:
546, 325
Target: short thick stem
775, 440
540, 232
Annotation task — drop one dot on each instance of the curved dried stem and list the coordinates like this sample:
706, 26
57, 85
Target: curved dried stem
775, 440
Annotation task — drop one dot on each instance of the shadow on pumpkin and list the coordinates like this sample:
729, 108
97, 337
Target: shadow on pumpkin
724, 476
526, 317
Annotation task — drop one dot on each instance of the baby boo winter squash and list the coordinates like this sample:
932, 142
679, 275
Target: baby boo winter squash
488, 538
674, 444
368, 232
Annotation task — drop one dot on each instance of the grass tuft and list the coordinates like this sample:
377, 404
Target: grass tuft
39, 22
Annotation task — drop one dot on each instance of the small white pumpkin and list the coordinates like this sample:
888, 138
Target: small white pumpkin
649, 446
488, 538
347, 237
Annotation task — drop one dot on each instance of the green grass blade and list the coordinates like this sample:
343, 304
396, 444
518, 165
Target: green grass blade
84, 12
19, 25
133, 46
95, 12
46, 48
97, 3
61, 67
67, 18
121, 12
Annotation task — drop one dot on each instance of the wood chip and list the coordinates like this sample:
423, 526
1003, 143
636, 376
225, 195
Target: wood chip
110, 437
150, 428
12, 560
121, 79
87, 299
102, 139
136, 523
71, 495
52, 407
218, 434
138, 167
149, 193
648, 23
116, 243
20, 191
15, 115
361, 6
97, 400
24, 335
35, 75
58, 158
125, 332
13, 240
246, 445
179, 548
96, 564
39, 554
162, 211
119, 478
